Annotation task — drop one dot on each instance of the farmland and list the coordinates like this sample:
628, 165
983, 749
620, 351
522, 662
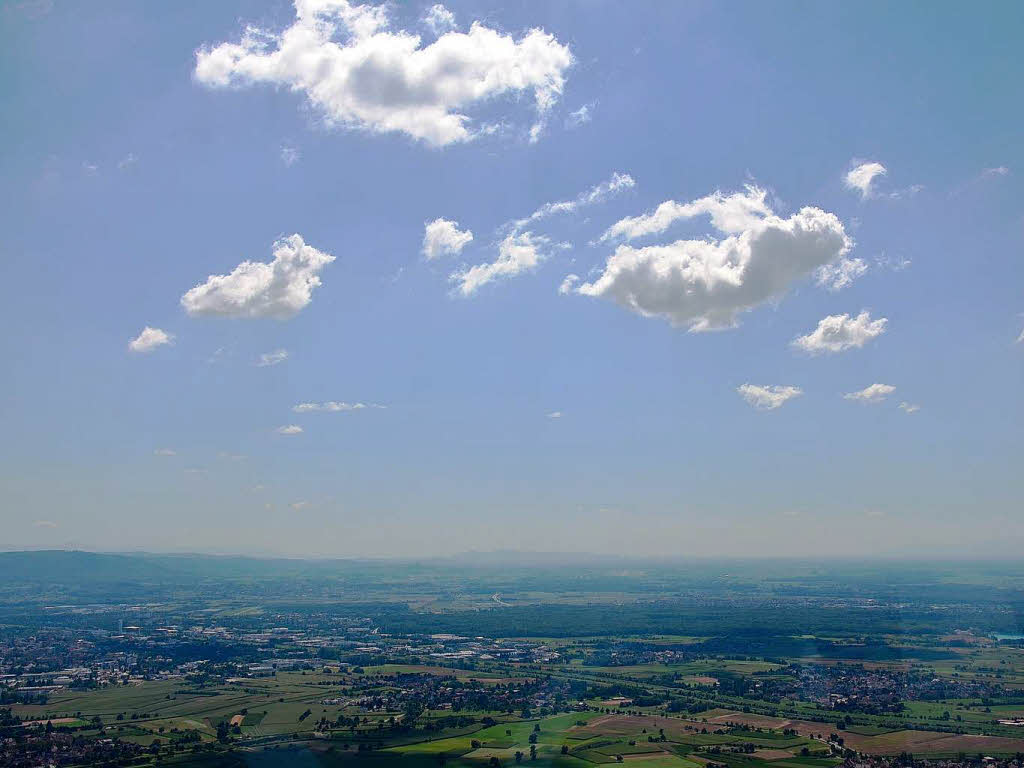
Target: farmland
164, 674
290, 709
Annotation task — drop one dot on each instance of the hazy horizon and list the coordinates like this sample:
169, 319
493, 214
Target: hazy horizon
540, 555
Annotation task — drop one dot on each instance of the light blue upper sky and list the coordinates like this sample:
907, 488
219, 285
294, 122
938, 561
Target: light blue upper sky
128, 176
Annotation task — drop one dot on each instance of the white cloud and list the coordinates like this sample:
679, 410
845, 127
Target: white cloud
874, 393
619, 182
580, 116
290, 156
840, 274
986, 174
555, 415
537, 130
897, 264
706, 284
276, 357
910, 191
298, 506
290, 429
730, 214
90, 168
1020, 339
332, 406
568, 283
909, 407
359, 73
862, 179
257, 289
518, 252
44, 524
442, 236
439, 20
33, 9
862, 176
150, 339
767, 398
127, 161
165, 452
837, 333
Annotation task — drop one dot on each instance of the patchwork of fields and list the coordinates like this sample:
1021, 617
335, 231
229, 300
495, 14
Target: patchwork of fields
270, 714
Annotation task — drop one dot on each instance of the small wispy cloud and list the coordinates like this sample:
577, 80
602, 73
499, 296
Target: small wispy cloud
581, 116
276, 357
614, 185
861, 177
149, 339
840, 274
900, 194
165, 452
568, 283
290, 155
127, 161
893, 263
517, 253
555, 415
333, 406
909, 407
44, 524
32, 9
537, 130
875, 393
767, 398
985, 175
289, 429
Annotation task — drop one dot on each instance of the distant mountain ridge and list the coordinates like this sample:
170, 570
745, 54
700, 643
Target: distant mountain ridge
57, 566
72, 565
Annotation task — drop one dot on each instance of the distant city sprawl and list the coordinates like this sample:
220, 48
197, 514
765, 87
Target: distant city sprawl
471, 663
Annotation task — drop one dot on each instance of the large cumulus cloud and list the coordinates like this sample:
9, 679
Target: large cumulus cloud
357, 72
706, 283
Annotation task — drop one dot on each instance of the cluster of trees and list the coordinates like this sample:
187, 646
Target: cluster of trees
15, 696
496, 763
690, 706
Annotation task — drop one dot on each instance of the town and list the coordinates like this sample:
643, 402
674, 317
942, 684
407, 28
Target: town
209, 682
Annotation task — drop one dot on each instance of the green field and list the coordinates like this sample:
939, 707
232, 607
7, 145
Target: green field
270, 712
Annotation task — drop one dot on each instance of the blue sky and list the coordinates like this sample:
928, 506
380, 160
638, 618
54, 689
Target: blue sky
149, 147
